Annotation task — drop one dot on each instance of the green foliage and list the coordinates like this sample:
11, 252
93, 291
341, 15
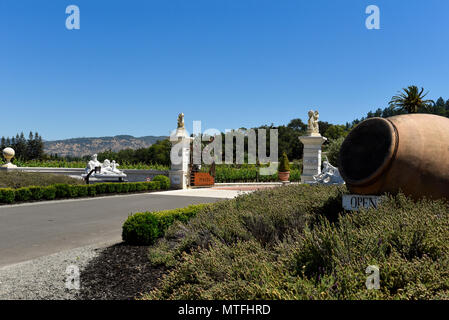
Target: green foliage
144, 228
333, 151
335, 132
33, 148
7, 195
61, 191
37, 192
165, 181
247, 173
23, 194
284, 164
49, 193
295, 242
82, 191
411, 100
157, 153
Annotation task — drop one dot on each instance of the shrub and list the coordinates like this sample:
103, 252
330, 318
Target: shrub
23, 194
119, 187
7, 195
141, 186
82, 191
36, 192
73, 192
132, 187
111, 187
140, 229
101, 188
92, 190
155, 185
145, 227
62, 190
164, 181
125, 187
49, 193
284, 164
59, 191
296, 242
333, 151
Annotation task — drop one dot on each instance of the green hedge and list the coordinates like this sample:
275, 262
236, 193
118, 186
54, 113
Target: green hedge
61, 191
143, 228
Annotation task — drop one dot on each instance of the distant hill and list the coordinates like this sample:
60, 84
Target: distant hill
78, 147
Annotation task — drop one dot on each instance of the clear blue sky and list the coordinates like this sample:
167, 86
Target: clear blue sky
134, 65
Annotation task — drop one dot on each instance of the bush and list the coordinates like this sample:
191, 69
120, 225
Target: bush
23, 194
145, 227
59, 191
284, 164
111, 188
49, 193
36, 192
140, 229
7, 195
73, 192
82, 191
62, 190
333, 151
92, 190
296, 242
165, 181
141, 186
101, 188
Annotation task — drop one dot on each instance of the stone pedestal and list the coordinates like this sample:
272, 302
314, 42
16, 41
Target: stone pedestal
181, 153
312, 156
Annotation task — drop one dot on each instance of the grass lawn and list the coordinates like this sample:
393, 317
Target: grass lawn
18, 179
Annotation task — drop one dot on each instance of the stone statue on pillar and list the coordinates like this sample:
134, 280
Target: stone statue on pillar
180, 155
312, 142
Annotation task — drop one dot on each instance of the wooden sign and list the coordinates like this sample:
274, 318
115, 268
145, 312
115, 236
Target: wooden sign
202, 179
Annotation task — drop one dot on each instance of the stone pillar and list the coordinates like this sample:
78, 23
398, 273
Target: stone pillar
312, 156
179, 171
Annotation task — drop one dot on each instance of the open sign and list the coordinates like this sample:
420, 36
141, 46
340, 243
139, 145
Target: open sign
354, 202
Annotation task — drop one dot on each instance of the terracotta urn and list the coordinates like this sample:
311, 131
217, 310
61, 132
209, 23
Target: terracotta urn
406, 152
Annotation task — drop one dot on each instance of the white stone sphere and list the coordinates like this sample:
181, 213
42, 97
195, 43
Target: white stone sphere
9, 153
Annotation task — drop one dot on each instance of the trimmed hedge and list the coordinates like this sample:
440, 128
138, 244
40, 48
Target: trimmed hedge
62, 190
143, 228
165, 181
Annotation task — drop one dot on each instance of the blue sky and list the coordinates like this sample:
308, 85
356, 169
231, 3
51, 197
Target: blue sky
134, 65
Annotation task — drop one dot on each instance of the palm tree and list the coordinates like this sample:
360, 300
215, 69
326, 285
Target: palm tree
411, 100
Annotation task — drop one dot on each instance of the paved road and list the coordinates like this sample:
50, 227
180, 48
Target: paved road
34, 230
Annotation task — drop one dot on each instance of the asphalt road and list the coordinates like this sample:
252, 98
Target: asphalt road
34, 230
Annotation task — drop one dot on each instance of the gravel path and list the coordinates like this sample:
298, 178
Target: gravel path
44, 278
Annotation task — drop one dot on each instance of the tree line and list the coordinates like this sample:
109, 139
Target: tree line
410, 100
26, 149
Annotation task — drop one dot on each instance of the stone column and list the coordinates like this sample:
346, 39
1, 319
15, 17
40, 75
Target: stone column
312, 156
179, 171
